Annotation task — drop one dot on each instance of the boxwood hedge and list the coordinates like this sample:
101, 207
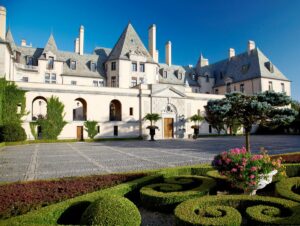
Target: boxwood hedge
258, 210
111, 211
285, 188
174, 190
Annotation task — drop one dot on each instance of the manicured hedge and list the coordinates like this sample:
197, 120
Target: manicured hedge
165, 196
19, 198
259, 211
292, 169
285, 188
111, 211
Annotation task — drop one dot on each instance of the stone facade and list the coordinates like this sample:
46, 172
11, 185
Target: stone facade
117, 87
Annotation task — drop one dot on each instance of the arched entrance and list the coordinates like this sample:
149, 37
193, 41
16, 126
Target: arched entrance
169, 118
39, 108
79, 110
115, 111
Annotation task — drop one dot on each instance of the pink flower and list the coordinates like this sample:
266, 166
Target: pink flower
253, 168
256, 157
252, 176
234, 170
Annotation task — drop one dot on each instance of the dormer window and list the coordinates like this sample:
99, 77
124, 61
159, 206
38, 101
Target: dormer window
29, 60
113, 66
93, 66
207, 78
142, 67
245, 68
269, 66
194, 77
50, 64
165, 74
73, 65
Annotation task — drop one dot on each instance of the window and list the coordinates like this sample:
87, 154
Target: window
133, 81
18, 56
74, 83
282, 88
196, 90
194, 77
73, 65
53, 78
47, 78
134, 66
270, 86
198, 112
93, 67
269, 66
113, 81
242, 88
209, 129
95, 83
216, 91
98, 129
131, 111
179, 75
50, 63
101, 83
228, 87
234, 88
113, 66
25, 79
165, 75
29, 60
115, 111
245, 68
116, 131
207, 78
141, 80
142, 67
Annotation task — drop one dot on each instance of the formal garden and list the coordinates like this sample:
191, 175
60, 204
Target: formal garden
238, 187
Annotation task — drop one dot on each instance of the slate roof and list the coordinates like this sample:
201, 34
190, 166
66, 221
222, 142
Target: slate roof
9, 38
172, 75
129, 42
242, 67
51, 45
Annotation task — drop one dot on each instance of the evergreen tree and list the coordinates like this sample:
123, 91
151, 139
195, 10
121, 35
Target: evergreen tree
91, 128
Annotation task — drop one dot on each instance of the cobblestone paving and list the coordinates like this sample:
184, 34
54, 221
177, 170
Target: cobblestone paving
39, 161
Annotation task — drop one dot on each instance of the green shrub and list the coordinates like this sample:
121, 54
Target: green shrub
285, 188
12, 132
292, 169
259, 211
165, 196
91, 128
111, 211
216, 175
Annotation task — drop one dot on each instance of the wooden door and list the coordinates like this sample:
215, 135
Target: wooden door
79, 132
168, 127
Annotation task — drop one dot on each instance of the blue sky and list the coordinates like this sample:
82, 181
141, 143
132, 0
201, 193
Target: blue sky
193, 26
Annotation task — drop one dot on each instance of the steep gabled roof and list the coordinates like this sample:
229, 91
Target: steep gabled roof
9, 38
129, 43
51, 45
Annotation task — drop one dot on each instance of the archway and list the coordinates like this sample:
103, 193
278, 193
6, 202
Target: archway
115, 111
39, 108
79, 110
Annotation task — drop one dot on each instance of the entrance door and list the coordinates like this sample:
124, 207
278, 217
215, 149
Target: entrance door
168, 127
79, 132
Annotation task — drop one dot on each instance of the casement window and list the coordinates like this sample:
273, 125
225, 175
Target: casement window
74, 83
270, 86
25, 79
242, 88
133, 81
50, 64
50, 78
95, 83
101, 83
53, 78
73, 65
134, 66
142, 67
93, 66
194, 77
282, 88
29, 60
47, 78
113, 81
113, 66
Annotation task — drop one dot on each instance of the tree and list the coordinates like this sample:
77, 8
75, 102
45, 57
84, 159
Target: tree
215, 114
268, 108
196, 119
53, 123
153, 118
91, 128
295, 125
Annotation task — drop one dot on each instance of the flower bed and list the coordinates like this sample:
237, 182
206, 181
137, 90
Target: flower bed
19, 198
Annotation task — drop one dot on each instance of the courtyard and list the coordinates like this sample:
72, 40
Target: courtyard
43, 161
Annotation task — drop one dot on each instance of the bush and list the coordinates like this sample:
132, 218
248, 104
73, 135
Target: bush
203, 211
292, 169
285, 188
12, 132
111, 211
165, 196
91, 128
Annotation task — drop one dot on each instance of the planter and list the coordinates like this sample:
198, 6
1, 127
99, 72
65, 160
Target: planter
264, 181
196, 131
152, 132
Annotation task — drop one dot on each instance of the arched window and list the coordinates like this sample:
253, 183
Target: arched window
115, 111
79, 110
39, 108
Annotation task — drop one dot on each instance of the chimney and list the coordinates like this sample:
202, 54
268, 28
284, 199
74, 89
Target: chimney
202, 61
81, 39
76, 45
251, 46
23, 42
231, 53
2, 22
169, 53
152, 42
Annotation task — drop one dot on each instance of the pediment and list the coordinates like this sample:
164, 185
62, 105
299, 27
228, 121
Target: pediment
168, 92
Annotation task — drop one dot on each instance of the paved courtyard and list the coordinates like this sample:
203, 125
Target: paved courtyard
38, 161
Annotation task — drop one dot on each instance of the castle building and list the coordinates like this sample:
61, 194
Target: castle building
117, 87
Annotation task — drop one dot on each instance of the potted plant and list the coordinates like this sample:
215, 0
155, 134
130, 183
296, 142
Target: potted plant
196, 119
246, 171
153, 118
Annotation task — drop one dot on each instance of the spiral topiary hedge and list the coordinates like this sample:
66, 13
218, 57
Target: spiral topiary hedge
111, 211
285, 188
165, 196
229, 209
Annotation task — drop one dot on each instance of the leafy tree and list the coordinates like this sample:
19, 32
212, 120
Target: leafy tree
295, 125
91, 128
268, 108
215, 114
152, 117
53, 123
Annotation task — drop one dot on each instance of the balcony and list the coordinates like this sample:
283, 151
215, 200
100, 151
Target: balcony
27, 67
